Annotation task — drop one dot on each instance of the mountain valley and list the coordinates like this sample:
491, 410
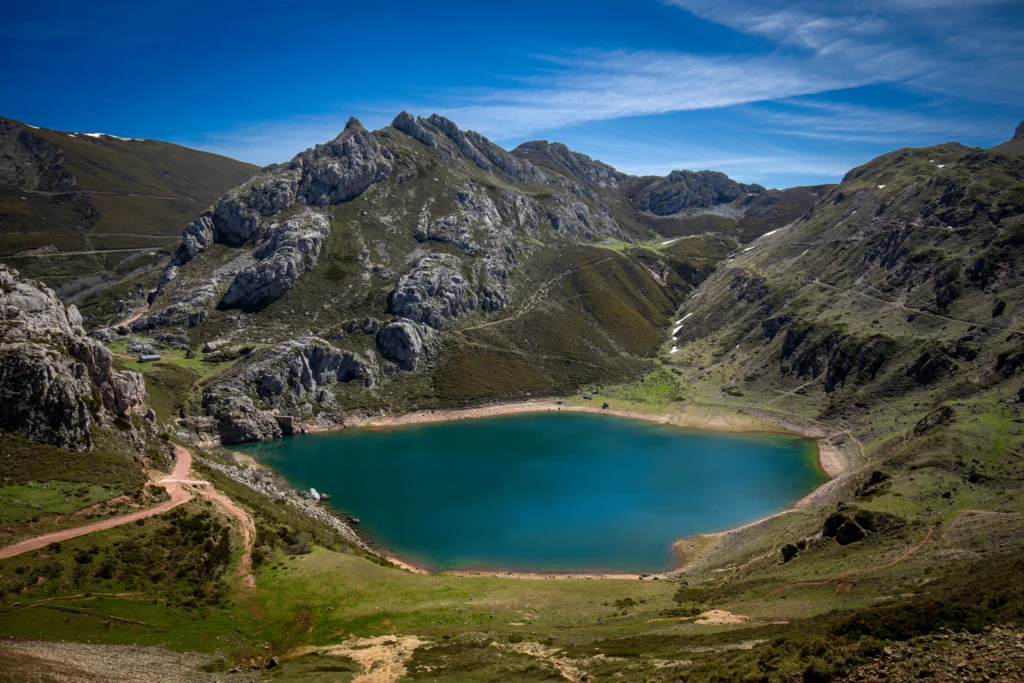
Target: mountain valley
420, 271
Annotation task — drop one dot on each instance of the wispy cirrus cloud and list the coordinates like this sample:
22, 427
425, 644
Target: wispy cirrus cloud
803, 59
827, 120
597, 86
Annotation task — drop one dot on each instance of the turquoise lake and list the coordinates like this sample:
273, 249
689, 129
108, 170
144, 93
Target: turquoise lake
554, 491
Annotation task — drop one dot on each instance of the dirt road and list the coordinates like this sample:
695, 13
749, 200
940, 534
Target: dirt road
173, 484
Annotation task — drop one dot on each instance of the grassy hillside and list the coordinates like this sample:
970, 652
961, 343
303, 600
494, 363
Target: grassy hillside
125, 196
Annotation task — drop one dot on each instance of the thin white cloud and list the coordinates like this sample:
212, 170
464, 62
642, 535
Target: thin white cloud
817, 119
962, 47
599, 86
820, 46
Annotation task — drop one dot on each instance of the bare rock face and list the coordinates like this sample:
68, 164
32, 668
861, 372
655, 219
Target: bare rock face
344, 168
1019, 133
287, 379
190, 305
321, 176
55, 381
283, 251
691, 189
576, 221
434, 291
406, 344
453, 133
291, 250
300, 367
408, 125
237, 418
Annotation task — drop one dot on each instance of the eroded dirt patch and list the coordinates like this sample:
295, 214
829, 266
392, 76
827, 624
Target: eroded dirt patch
383, 658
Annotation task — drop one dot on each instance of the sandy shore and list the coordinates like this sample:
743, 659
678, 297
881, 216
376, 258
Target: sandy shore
689, 417
832, 461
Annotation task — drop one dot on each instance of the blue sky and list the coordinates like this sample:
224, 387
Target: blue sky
781, 93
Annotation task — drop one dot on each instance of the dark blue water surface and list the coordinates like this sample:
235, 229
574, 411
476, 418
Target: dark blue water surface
545, 491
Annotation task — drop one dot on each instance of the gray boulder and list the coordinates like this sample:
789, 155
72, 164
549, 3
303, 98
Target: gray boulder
406, 344
137, 347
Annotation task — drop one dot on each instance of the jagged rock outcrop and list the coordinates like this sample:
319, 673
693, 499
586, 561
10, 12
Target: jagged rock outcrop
523, 212
589, 171
434, 291
453, 133
291, 250
691, 190
477, 220
190, 305
406, 344
849, 525
343, 168
1019, 133
575, 220
237, 418
29, 162
834, 357
522, 171
295, 369
408, 125
321, 176
55, 381
929, 366
291, 377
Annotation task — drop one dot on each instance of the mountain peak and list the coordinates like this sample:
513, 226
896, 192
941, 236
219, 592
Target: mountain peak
1019, 133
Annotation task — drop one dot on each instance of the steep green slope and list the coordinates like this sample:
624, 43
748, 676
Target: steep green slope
98, 194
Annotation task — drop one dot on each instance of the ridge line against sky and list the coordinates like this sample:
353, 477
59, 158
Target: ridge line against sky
775, 92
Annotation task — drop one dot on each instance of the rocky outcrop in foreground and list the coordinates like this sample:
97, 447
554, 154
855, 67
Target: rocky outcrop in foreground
55, 382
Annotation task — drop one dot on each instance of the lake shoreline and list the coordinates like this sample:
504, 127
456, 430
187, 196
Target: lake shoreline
831, 460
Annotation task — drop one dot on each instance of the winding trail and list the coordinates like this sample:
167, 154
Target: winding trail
176, 484
247, 529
